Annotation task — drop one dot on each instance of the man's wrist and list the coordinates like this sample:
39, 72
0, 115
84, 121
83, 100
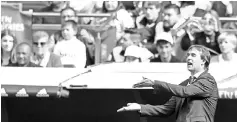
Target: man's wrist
153, 83
140, 109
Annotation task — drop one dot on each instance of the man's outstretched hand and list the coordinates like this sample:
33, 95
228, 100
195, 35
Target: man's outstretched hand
130, 107
144, 83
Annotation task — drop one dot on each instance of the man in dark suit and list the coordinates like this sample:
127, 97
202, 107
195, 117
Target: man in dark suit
194, 100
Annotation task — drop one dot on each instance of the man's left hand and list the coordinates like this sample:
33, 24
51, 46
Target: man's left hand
144, 83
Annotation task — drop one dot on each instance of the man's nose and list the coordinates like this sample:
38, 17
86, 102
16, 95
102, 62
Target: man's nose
189, 57
148, 11
66, 19
38, 45
166, 17
21, 56
64, 31
163, 50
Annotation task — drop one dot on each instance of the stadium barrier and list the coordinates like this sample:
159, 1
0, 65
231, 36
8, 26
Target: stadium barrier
109, 87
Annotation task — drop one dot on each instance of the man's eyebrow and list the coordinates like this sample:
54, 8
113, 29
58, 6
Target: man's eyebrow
191, 53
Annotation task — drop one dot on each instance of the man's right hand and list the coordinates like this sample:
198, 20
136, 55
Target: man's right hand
130, 107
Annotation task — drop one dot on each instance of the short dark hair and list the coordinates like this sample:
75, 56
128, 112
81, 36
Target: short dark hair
69, 8
173, 6
157, 4
204, 52
72, 23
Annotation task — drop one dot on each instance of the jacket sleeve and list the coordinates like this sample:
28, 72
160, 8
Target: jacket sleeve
203, 87
159, 110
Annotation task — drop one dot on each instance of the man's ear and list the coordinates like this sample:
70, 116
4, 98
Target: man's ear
203, 62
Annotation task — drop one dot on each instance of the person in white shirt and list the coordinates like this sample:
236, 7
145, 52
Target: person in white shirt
227, 43
71, 50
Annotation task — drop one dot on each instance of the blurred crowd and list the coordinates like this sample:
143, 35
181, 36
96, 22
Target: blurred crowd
136, 31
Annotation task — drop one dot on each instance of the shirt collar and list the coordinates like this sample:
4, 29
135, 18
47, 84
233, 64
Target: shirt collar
42, 60
45, 60
198, 74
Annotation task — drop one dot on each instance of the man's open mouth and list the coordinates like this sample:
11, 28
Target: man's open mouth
189, 63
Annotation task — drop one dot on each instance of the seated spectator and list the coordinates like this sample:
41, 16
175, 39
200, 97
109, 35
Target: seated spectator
150, 17
82, 35
207, 37
147, 22
117, 55
129, 38
23, 56
66, 14
71, 50
55, 6
8, 43
42, 55
171, 20
134, 53
231, 26
227, 43
164, 46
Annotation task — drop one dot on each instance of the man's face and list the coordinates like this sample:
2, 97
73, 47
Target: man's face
68, 32
152, 12
68, 15
7, 43
129, 40
40, 46
170, 17
23, 54
111, 5
164, 50
226, 46
194, 61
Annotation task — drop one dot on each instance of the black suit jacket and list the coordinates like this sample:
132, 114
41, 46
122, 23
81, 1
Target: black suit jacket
193, 103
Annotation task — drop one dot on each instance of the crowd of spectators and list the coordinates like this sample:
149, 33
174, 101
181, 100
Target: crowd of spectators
137, 31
